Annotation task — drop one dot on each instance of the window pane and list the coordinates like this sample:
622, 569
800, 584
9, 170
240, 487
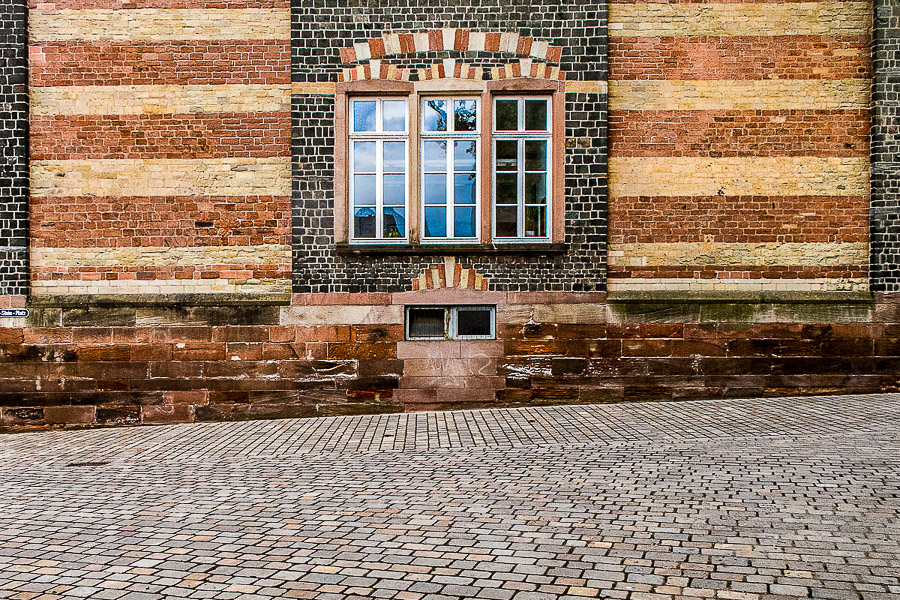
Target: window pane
507, 115
464, 115
394, 157
394, 192
535, 221
507, 158
464, 221
364, 190
364, 116
393, 115
436, 189
363, 157
464, 154
507, 221
536, 115
464, 188
535, 155
435, 221
535, 188
364, 222
427, 322
394, 223
435, 156
507, 188
435, 115
473, 322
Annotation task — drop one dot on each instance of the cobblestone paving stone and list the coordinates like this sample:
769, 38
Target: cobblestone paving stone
773, 498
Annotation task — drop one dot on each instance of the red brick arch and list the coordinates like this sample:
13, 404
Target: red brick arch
456, 40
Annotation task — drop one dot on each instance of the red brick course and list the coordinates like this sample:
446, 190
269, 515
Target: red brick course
181, 221
220, 135
177, 62
173, 272
740, 57
739, 219
732, 133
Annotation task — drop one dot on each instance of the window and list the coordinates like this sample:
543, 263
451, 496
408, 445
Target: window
378, 167
449, 162
450, 159
522, 146
450, 322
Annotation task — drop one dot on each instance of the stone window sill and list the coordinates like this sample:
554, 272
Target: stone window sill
446, 249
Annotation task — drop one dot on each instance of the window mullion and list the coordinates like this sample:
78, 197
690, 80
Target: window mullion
451, 165
520, 200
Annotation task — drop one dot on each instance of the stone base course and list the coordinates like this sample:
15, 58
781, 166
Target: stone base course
112, 364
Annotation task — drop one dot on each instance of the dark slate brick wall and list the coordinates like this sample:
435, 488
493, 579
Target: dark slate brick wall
885, 268
13, 148
320, 28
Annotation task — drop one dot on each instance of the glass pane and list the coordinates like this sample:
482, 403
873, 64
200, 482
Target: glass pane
427, 322
464, 188
435, 156
435, 221
394, 223
507, 115
473, 322
394, 157
464, 221
507, 155
363, 157
535, 155
364, 222
436, 189
464, 115
364, 116
393, 113
535, 221
507, 188
435, 115
394, 189
507, 221
363, 190
464, 155
535, 188
536, 115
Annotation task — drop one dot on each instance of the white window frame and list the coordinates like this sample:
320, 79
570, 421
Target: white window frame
451, 320
379, 136
450, 136
521, 136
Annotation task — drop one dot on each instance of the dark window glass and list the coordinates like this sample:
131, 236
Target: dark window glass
427, 322
473, 322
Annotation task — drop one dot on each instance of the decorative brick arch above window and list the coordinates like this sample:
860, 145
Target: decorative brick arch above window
449, 274
449, 39
453, 69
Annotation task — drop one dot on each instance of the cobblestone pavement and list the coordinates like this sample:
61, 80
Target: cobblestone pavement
743, 499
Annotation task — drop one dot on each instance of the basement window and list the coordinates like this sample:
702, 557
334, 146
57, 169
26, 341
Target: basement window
450, 322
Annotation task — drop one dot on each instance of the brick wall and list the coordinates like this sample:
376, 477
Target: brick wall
577, 27
13, 149
886, 150
739, 152
160, 148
